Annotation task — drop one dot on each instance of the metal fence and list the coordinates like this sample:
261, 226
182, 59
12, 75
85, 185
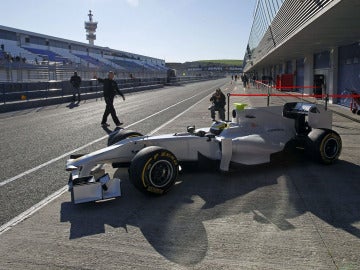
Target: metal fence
11, 92
19, 71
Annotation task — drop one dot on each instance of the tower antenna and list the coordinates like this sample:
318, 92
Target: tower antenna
90, 28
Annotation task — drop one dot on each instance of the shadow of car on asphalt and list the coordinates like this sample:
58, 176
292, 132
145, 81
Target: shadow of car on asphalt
273, 193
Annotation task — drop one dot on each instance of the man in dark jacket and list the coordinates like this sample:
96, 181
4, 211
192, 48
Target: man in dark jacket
219, 101
75, 81
110, 89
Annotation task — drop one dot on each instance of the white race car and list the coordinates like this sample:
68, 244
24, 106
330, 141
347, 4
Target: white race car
253, 135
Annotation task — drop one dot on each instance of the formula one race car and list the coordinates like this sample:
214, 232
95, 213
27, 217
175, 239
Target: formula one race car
253, 135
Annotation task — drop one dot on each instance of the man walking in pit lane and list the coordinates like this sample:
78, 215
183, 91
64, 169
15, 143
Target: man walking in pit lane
110, 89
75, 81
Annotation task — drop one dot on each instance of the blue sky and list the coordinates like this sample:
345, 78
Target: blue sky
173, 30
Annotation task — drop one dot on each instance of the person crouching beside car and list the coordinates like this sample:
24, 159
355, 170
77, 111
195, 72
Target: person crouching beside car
218, 104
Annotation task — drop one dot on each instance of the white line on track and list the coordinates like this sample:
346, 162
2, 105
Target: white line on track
26, 214
176, 117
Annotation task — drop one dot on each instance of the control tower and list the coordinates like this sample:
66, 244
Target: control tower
90, 28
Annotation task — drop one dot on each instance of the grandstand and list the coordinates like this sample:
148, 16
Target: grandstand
35, 70
27, 56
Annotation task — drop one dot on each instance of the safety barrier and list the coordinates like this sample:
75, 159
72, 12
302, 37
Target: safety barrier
15, 96
297, 89
12, 92
263, 84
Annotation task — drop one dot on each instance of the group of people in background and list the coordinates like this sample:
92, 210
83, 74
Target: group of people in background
244, 78
11, 59
247, 79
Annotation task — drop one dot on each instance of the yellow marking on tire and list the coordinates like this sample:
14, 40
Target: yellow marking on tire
143, 172
155, 190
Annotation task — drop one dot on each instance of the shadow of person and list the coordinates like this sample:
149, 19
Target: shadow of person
72, 105
109, 131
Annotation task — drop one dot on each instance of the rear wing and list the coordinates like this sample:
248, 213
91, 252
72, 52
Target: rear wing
317, 116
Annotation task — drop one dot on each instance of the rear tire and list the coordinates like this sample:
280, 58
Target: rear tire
122, 134
324, 145
154, 170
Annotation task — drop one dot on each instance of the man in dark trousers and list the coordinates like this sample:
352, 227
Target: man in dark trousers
218, 104
75, 81
110, 89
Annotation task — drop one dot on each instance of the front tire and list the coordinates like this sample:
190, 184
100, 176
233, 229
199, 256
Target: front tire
324, 145
154, 170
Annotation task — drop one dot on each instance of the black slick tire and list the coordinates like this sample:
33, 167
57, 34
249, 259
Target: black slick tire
154, 170
324, 145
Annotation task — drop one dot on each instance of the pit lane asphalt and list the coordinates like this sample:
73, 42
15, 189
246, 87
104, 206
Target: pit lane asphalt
33, 137
289, 214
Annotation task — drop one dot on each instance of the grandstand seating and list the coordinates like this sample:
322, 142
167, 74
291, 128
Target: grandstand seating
31, 57
69, 57
106, 61
11, 47
129, 65
95, 62
45, 54
35, 70
36, 55
155, 67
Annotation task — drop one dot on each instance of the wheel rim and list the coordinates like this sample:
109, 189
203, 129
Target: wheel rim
161, 173
331, 148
